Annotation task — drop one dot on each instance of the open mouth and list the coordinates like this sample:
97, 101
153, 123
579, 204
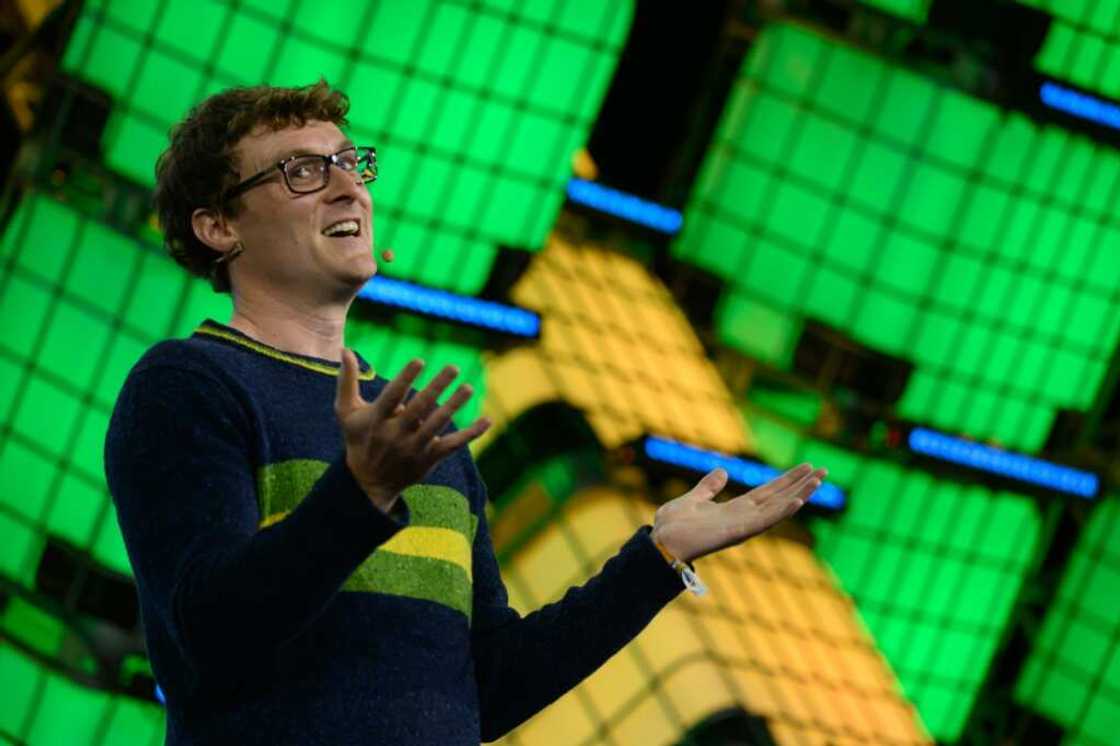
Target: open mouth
343, 229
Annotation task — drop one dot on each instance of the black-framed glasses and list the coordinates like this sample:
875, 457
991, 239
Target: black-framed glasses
305, 174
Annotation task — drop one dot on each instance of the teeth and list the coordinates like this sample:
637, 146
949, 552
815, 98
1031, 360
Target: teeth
343, 227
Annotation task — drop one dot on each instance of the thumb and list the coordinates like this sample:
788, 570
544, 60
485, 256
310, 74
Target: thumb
347, 397
709, 486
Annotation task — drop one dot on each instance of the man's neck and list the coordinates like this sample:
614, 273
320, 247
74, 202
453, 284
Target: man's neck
314, 330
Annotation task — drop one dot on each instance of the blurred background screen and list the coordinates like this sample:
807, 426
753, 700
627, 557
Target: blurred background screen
880, 235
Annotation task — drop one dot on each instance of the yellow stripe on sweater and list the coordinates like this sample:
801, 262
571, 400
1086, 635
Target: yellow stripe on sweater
274, 518
435, 543
417, 541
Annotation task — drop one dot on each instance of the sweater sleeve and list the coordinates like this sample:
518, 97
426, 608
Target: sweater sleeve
178, 463
523, 664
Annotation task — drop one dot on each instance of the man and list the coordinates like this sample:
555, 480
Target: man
309, 541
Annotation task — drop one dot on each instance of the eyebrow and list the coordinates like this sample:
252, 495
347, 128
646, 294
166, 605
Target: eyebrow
284, 155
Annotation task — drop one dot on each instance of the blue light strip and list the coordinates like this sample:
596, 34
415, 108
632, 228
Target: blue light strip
459, 308
1004, 463
1080, 105
750, 473
625, 206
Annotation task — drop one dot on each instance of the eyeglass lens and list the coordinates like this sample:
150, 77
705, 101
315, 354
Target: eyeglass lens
311, 172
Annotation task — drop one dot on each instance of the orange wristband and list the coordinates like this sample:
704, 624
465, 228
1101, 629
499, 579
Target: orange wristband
688, 576
664, 552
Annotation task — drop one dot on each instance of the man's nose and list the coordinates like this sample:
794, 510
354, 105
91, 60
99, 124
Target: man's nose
346, 183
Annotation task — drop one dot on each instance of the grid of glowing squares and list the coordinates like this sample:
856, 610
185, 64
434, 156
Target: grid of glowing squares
774, 636
476, 108
614, 345
935, 568
82, 303
1073, 673
1083, 44
926, 224
389, 348
42, 707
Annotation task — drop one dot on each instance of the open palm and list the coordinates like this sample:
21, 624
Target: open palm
693, 524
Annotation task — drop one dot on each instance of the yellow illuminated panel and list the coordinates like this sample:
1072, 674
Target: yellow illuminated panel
775, 636
613, 344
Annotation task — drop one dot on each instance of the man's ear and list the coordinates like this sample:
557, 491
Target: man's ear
212, 228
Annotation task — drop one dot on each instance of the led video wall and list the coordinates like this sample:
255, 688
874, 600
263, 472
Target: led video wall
45, 708
935, 566
83, 302
614, 345
1083, 44
476, 108
926, 224
774, 637
1073, 672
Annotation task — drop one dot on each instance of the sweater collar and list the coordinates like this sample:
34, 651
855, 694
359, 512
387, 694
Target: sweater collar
228, 335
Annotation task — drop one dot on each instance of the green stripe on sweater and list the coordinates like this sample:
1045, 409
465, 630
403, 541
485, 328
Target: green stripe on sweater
439, 507
283, 485
427, 567
413, 577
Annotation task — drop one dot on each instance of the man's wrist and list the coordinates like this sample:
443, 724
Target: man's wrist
684, 569
664, 545
665, 553
382, 499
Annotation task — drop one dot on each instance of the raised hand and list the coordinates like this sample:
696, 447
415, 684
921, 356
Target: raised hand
694, 524
390, 443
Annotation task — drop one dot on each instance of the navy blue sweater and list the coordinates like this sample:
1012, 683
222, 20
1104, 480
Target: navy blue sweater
281, 607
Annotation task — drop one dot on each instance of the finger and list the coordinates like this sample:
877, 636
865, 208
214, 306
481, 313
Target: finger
798, 490
799, 501
347, 395
710, 485
790, 477
396, 390
782, 482
788, 509
438, 419
777, 510
811, 485
443, 445
420, 407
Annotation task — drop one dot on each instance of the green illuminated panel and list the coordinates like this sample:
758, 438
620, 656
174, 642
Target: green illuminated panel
389, 350
924, 223
1073, 672
1083, 45
911, 10
476, 109
84, 303
42, 708
935, 568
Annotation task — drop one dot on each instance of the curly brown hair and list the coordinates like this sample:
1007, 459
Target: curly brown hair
200, 164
